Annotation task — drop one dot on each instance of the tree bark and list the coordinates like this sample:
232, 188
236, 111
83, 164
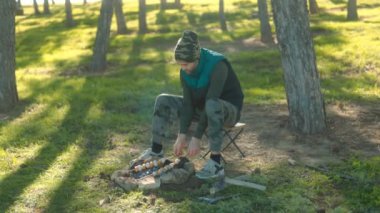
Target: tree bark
177, 3
302, 84
8, 88
19, 9
46, 7
142, 17
222, 17
313, 6
120, 18
265, 29
99, 59
52, 2
162, 4
35, 6
352, 10
69, 14
84, 2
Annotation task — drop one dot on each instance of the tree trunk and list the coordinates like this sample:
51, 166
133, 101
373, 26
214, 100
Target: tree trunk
162, 4
305, 100
84, 2
222, 17
8, 88
177, 3
313, 7
352, 10
266, 32
19, 9
142, 17
99, 59
52, 2
35, 6
69, 14
120, 19
46, 7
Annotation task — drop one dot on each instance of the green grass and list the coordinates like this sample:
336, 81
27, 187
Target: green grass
71, 128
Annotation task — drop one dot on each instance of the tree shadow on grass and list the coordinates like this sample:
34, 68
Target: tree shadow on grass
170, 22
35, 46
172, 6
368, 6
12, 186
322, 37
326, 16
163, 18
90, 136
338, 1
31, 46
94, 145
340, 84
245, 4
31, 105
20, 108
134, 14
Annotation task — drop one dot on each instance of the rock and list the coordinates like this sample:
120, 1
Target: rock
105, 200
127, 183
149, 182
179, 175
292, 162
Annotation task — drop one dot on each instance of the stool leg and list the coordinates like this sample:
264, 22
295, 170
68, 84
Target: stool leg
204, 156
232, 141
221, 156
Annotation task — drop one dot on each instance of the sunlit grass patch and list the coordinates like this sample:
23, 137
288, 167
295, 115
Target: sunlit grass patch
37, 195
12, 158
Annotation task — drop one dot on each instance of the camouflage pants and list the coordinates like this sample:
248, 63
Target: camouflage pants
219, 113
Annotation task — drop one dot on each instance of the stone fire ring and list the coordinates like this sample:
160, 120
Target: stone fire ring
178, 174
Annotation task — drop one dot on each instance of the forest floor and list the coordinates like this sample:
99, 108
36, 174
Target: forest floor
72, 129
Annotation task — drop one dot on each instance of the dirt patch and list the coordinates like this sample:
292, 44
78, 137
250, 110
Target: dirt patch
268, 139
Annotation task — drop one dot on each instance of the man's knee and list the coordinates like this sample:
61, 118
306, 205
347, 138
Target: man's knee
213, 107
162, 98
161, 107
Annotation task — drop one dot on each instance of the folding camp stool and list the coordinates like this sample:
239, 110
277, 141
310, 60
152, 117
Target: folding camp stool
228, 133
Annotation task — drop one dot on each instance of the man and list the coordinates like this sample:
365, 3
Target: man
212, 96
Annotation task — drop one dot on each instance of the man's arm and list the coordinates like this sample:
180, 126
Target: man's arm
187, 110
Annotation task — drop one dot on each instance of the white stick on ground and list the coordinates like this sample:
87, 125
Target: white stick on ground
244, 184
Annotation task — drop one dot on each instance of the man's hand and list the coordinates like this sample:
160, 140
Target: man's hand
194, 147
179, 145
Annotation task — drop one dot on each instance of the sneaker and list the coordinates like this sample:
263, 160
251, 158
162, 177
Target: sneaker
212, 170
147, 155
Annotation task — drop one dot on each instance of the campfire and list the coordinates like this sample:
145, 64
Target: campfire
151, 174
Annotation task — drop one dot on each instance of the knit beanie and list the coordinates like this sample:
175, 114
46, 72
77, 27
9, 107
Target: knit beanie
187, 48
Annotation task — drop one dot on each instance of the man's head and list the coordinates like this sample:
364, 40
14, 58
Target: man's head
187, 51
